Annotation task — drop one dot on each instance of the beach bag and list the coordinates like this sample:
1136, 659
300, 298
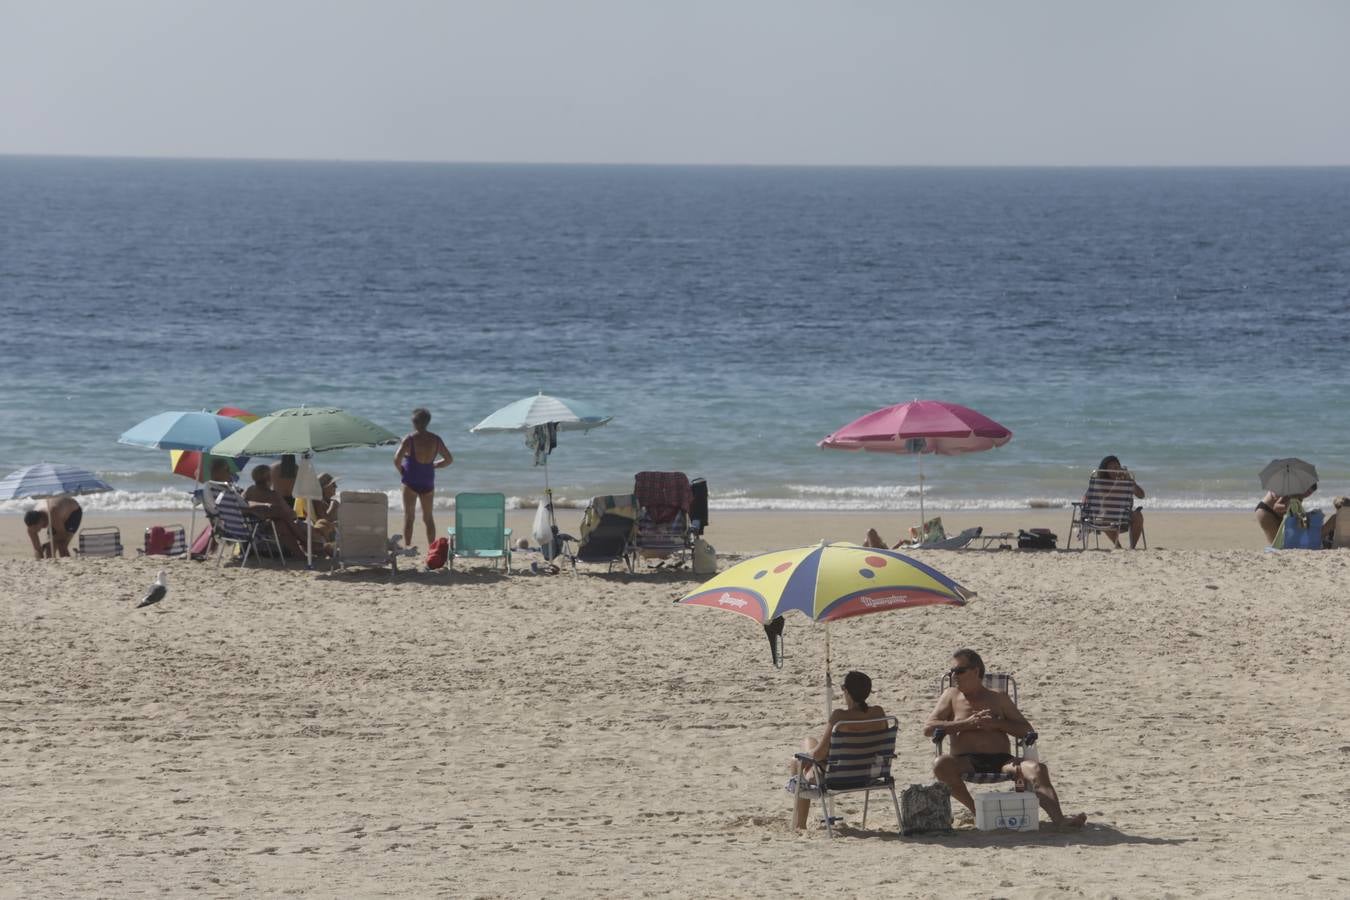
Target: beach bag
1036, 539
437, 553
1300, 530
158, 541
925, 808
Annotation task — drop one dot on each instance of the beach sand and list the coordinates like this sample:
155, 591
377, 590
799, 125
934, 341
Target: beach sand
478, 735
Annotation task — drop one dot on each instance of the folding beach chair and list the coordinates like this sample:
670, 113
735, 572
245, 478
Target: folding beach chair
362, 537
859, 760
236, 527
100, 542
480, 530
176, 542
1107, 506
663, 499
1340, 537
608, 532
1004, 683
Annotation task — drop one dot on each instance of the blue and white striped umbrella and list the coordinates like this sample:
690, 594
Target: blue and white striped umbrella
50, 480
568, 415
181, 431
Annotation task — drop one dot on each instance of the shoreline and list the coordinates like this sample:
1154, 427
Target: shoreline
741, 532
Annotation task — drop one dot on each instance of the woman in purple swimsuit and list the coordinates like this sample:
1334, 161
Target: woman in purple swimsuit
417, 459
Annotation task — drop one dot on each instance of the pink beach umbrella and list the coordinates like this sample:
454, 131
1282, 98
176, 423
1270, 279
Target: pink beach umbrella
919, 427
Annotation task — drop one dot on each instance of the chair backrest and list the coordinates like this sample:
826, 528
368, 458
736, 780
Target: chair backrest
621, 505
861, 753
231, 524
1003, 682
100, 542
663, 495
480, 522
1109, 501
1341, 536
363, 526
211, 492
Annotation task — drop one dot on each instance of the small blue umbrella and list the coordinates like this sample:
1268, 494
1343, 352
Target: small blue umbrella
46, 480
181, 431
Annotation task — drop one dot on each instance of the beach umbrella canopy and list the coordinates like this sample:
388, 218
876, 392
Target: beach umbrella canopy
826, 582
541, 409
1288, 477
303, 430
46, 480
919, 427
181, 431
189, 463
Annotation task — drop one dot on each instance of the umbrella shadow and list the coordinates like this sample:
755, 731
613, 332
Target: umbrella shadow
1094, 834
446, 576
643, 576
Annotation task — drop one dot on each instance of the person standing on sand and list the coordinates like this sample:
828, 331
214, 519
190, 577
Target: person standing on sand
979, 722
66, 513
417, 459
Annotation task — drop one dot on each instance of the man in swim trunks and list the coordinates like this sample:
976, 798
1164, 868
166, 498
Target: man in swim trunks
66, 513
979, 721
417, 459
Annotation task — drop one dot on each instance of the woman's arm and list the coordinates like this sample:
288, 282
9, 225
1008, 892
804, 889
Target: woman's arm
445, 452
401, 452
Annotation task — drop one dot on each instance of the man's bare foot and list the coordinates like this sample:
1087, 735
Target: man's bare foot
1077, 821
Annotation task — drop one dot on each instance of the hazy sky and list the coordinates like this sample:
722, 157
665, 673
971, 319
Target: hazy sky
682, 81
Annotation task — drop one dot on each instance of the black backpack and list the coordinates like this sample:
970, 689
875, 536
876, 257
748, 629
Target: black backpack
1036, 539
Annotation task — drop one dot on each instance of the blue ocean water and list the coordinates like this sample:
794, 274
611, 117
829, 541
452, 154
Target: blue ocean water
1193, 322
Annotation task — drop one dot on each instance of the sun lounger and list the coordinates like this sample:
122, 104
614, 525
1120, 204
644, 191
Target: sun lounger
859, 761
362, 537
1005, 684
100, 542
608, 532
480, 530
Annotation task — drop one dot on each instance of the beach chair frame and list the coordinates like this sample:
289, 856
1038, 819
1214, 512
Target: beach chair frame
104, 541
363, 518
236, 526
1108, 505
608, 533
470, 504
1004, 683
859, 761
664, 501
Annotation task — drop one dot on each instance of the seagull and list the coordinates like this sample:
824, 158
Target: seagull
158, 591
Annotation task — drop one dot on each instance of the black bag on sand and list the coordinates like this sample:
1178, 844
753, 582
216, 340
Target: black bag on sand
925, 808
1037, 539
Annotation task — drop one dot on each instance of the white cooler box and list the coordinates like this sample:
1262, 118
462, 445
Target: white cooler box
1014, 810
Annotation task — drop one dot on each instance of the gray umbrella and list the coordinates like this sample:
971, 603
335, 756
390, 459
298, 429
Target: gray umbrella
1288, 477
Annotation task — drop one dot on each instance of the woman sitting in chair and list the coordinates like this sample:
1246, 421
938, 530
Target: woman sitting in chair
1110, 469
857, 688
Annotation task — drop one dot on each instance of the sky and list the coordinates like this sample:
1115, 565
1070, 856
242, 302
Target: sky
839, 82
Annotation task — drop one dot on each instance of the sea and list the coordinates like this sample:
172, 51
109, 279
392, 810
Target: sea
1193, 322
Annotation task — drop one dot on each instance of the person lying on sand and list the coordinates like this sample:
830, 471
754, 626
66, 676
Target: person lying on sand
857, 688
979, 721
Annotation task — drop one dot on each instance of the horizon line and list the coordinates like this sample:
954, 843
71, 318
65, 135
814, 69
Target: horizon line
337, 160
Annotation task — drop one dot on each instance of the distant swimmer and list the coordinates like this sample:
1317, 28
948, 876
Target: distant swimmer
417, 459
66, 514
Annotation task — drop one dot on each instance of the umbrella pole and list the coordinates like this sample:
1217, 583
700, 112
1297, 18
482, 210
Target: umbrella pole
201, 485
829, 685
309, 530
51, 529
922, 517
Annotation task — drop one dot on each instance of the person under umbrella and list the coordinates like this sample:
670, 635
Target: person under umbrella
61, 518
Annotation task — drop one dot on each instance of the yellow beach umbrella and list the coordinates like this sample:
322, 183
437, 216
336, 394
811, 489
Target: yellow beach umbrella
824, 583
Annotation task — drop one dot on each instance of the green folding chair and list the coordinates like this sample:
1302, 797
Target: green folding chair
480, 530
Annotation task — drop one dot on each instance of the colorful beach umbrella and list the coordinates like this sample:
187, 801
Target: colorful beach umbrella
919, 427
304, 430
1288, 477
189, 463
825, 583
180, 431
540, 418
49, 480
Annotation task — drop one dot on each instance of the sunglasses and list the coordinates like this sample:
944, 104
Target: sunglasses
959, 670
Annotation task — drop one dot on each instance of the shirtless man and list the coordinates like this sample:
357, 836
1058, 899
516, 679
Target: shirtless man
857, 688
265, 503
66, 513
417, 459
979, 721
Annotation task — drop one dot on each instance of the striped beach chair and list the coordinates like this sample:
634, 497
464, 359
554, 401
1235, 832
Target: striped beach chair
100, 542
859, 762
1108, 505
1004, 683
178, 547
236, 527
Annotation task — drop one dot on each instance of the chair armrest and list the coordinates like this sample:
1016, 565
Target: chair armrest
808, 758
1029, 738
508, 532
450, 531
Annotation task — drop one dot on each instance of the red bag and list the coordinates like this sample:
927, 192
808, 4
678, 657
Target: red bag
437, 553
158, 541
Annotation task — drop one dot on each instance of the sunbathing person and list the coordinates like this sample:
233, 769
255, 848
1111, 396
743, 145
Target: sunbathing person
265, 503
1104, 469
979, 721
857, 688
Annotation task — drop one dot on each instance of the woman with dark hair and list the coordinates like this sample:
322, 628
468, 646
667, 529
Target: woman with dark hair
1107, 471
857, 688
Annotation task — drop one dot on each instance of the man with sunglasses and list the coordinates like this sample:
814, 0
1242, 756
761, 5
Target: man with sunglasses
979, 721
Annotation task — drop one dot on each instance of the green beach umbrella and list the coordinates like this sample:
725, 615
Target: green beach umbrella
304, 430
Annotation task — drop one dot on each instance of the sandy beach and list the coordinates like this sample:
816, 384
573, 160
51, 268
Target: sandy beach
477, 735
